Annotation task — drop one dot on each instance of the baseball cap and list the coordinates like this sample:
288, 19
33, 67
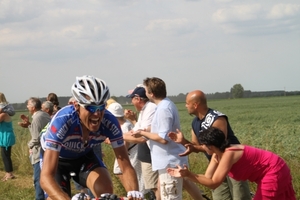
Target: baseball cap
116, 109
138, 91
138, 85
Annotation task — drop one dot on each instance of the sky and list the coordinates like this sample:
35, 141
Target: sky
209, 45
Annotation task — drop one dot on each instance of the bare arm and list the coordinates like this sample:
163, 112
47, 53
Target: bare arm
130, 183
152, 136
211, 168
48, 183
217, 170
221, 124
129, 138
3, 117
195, 142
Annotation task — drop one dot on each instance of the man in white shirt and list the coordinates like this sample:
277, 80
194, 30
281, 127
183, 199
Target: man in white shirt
146, 111
164, 152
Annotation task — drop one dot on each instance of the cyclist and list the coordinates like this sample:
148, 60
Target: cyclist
69, 140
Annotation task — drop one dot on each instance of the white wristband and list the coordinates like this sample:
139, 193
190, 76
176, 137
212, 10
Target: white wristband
135, 194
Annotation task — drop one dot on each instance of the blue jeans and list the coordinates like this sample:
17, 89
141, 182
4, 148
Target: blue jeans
39, 193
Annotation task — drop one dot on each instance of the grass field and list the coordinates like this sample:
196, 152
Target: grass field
268, 123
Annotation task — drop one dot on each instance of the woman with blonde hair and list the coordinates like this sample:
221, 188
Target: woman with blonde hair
110, 101
7, 139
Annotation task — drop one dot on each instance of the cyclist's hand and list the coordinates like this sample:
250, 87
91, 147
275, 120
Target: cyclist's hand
81, 196
135, 195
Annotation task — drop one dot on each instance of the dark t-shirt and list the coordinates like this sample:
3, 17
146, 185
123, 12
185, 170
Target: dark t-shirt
199, 125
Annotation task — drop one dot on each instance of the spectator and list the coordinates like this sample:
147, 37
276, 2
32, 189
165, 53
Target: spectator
164, 152
146, 111
7, 137
241, 162
47, 106
117, 110
110, 101
6, 107
39, 120
54, 99
205, 117
72, 101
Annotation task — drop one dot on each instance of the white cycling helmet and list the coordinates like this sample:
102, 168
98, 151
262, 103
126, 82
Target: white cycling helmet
90, 90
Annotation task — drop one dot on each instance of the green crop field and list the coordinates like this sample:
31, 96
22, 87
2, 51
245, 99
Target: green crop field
268, 123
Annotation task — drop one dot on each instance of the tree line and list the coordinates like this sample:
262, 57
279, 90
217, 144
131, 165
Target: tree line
237, 91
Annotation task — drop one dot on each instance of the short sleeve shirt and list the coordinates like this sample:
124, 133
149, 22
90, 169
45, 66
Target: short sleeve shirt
64, 134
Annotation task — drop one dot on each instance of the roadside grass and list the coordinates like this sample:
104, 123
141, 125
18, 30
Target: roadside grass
271, 123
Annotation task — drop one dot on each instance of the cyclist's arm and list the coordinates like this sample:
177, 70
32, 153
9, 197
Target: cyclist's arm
48, 183
129, 175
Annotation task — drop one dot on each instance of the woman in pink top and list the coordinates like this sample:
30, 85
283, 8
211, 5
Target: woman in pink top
266, 169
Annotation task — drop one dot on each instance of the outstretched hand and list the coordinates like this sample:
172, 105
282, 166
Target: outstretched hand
24, 118
176, 137
189, 149
179, 171
25, 121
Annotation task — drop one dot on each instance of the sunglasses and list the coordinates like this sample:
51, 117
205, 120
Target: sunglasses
94, 108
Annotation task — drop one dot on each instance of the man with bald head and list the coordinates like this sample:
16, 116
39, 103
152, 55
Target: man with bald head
206, 117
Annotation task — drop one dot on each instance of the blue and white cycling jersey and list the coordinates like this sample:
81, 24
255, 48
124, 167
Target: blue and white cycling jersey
64, 134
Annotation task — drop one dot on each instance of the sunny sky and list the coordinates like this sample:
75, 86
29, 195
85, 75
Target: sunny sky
207, 44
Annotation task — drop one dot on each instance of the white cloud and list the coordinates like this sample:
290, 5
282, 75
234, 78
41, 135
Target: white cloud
18, 10
258, 18
224, 1
170, 26
283, 10
237, 13
166, 24
49, 28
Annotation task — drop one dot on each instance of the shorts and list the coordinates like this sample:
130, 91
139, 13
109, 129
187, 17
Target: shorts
78, 169
232, 189
150, 177
170, 187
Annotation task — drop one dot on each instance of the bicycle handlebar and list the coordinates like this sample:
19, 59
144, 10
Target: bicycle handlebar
106, 196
